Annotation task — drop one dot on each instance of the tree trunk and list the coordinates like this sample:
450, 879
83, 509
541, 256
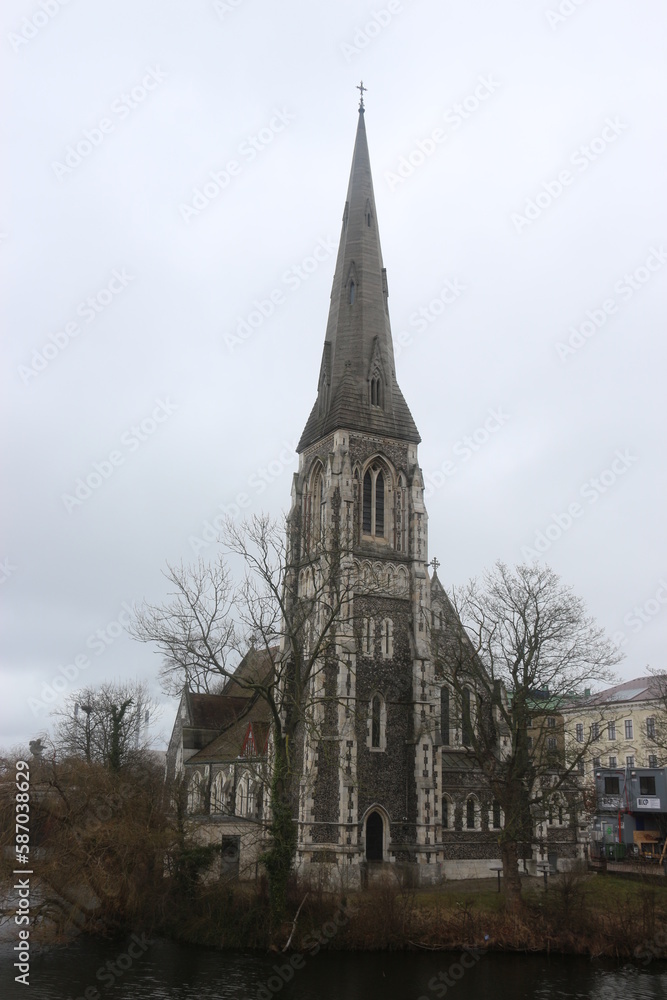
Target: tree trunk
279, 857
509, 856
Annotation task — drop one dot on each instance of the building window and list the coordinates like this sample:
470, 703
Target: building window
377, 392
596, 762
581, 769
446, 812
612, 762
579, 732
611, 786
314, 512
529, 742
628, 729
387, 638
551, 744
218, 796
241, 796
195, 797
650, 728
611, 731
368, 636
495, 815
551, 722
629, 761
560, 815
250, 800
595, 730
352, 292
652, 760
375, 723
373, 502
471, 814
646, 784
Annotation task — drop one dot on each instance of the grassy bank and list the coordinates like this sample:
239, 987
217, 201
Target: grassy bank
582, 914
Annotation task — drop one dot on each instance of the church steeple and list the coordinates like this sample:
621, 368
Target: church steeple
357, 386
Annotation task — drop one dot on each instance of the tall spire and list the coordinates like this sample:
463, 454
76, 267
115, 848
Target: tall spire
357, 387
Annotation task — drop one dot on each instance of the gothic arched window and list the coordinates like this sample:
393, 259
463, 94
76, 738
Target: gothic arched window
195, 798
352, 292
373, 502
471, 813
217, 797
444, 715
314, 512
377, 392
376, 712
368, 636
387, 638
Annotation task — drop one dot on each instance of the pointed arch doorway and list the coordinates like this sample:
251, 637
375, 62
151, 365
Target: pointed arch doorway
375, 837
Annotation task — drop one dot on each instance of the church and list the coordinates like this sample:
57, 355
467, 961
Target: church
385, 778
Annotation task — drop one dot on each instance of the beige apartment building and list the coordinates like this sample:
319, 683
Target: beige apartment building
622, 726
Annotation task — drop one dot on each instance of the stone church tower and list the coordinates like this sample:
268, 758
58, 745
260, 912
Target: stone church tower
369, 789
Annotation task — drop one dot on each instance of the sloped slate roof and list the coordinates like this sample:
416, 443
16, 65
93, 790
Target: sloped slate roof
256, 667
229, 744
215, 711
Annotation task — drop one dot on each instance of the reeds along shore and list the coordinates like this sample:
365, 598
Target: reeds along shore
579, 914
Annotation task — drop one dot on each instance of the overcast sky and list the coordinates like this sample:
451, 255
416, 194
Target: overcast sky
165, 328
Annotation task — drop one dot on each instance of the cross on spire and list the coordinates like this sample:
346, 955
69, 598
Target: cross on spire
361, 89
434, 563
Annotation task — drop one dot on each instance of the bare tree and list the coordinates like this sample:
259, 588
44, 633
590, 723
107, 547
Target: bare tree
195, 630
292, 597
108, 725
517, 646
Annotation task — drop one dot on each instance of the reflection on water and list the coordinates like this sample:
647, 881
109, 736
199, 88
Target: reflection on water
135, 969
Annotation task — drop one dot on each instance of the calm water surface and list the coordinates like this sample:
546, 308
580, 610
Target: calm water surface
166, 970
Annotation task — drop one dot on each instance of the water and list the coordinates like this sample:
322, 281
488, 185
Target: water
164, 970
